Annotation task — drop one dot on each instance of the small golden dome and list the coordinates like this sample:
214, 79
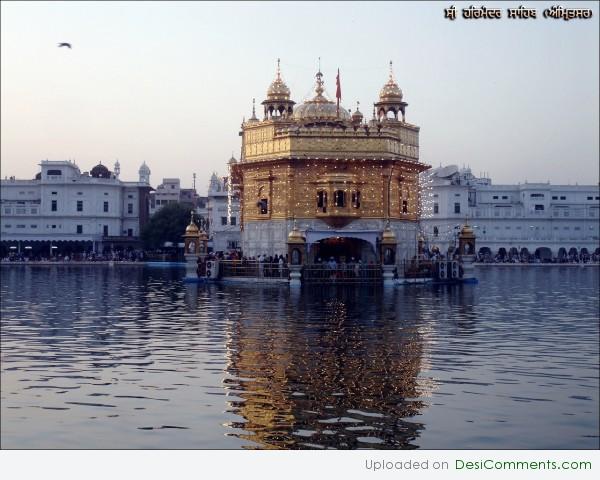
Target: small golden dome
192, 228
295, 236
391, 91
467, 231
388, 235
278, 90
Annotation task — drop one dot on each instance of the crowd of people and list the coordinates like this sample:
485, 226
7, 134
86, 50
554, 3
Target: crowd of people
115, 256
353, 268
525, 258
274, 265
237, 264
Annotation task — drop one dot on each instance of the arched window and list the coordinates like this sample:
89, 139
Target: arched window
339, 198
322, 201
435, 231
263, 205
263, 202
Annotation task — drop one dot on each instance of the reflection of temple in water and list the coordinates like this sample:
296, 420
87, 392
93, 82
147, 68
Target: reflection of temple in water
331, 368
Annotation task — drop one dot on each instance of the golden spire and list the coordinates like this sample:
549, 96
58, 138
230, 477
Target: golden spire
253, 117
319, 87
192, 228
278, 76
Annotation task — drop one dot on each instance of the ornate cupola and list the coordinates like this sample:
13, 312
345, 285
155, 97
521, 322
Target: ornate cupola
390, 99
278, 103
357, 116
144, 174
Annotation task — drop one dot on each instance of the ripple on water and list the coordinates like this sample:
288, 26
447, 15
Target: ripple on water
98, 357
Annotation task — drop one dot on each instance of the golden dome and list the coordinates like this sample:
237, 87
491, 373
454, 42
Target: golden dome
192, 228
388, 235
467, 231
320, 108
278, 90
391, 91
295, 236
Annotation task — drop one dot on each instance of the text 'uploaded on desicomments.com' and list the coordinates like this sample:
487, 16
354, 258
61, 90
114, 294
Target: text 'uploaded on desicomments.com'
484, 464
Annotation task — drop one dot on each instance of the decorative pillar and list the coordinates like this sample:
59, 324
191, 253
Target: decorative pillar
466, 253
388, 247
202, 251
202, 243
296, 244
191, 250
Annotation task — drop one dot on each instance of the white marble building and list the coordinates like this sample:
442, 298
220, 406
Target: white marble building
63, 207
526, 215
223, 213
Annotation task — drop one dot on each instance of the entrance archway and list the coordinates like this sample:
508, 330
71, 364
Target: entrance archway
342, 249
544, 254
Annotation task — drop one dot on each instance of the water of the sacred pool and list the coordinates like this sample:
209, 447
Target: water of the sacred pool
100, 357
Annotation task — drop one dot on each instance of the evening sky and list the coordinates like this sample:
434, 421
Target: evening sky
169, 83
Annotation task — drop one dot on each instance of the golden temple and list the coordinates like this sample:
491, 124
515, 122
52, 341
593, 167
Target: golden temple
340, 177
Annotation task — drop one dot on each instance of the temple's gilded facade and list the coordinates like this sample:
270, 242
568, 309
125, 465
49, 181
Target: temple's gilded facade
341, 178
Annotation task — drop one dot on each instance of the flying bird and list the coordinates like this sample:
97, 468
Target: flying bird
64, 45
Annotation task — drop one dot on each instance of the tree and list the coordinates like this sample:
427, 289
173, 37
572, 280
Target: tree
167, 225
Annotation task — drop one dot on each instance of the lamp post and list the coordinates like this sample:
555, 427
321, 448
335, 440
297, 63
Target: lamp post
466, 252
297, 252
193, 243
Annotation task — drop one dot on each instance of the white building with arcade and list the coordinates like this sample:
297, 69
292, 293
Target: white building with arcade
537, 218
63, 210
